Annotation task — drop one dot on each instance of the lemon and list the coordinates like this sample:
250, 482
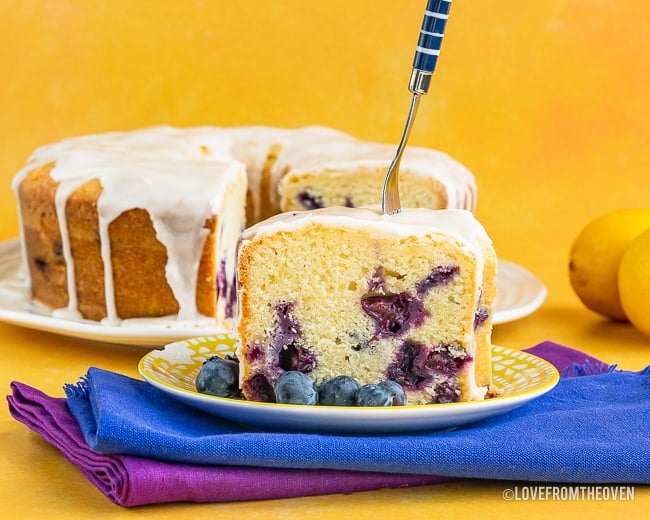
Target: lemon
634, 282
595, 256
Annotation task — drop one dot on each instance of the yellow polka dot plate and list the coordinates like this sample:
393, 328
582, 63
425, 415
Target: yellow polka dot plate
520, 376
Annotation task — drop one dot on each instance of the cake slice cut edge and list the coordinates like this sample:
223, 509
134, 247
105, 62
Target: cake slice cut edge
349, 291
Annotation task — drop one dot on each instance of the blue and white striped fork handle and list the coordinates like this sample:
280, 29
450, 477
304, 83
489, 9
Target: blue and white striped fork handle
428, 47
426, 56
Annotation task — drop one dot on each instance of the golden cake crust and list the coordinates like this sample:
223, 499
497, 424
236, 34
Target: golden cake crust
138, 258
42, 238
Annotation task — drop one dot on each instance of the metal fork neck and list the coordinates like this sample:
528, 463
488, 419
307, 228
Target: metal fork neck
420, 81
390, 203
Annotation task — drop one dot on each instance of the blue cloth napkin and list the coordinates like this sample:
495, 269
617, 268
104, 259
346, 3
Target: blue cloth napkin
594, 428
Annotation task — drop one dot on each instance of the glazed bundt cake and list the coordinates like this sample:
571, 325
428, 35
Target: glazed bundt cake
144, 223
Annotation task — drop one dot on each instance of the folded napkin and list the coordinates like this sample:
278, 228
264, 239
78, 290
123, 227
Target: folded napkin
135, 481
131, 440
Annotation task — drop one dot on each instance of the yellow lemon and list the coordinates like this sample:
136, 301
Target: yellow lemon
596, 254
634, 282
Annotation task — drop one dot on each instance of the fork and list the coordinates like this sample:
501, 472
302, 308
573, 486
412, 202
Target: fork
424, 63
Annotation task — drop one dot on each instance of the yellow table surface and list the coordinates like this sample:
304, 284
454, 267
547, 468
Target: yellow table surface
546, 102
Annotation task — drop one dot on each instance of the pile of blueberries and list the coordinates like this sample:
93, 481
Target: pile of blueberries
220, 377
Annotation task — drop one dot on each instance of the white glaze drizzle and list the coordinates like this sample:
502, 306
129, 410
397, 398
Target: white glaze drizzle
408, 222
168, 173
189, 169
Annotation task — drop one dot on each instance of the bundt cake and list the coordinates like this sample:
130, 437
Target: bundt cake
144, 223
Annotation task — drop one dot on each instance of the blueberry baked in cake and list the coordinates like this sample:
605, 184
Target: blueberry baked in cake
350, 292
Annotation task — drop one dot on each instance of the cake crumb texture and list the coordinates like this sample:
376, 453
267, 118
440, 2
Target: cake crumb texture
331, 300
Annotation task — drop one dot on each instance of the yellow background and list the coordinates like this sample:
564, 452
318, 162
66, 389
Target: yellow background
545, 101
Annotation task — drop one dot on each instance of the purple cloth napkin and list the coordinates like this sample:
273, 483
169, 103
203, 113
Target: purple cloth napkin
136, 481
131, 481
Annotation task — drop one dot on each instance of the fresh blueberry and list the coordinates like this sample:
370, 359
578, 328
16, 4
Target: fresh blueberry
339, 391
219, 376
295, 388
399, 397
374, 394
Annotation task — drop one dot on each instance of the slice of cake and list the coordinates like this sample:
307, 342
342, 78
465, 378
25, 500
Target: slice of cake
351, 173
349, 291
314, 167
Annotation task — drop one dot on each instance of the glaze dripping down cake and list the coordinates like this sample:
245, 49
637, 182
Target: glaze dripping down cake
145, 223
349, 291
94, 251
